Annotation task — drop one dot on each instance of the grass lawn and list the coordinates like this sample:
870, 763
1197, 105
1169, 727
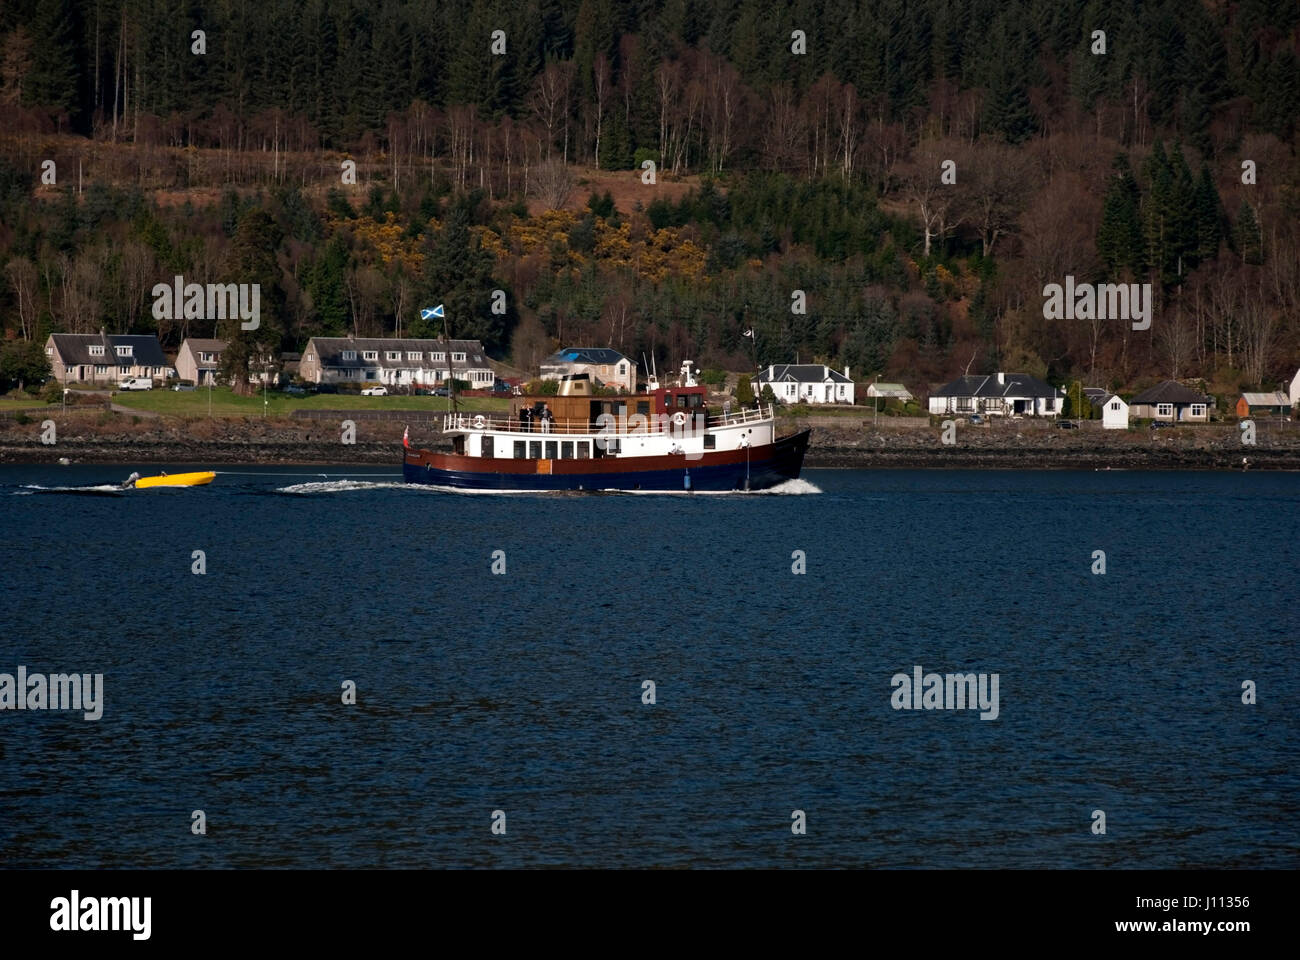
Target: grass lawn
227, 404
8, 403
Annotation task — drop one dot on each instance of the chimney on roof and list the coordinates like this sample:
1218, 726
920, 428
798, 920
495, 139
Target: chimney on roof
846, 372
1002, 377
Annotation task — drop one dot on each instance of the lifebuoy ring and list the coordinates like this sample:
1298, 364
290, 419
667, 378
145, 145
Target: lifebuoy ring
679, 419
479, 422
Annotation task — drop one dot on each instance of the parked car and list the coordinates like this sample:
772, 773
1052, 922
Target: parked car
441, 392
375, 392
976, 419
183, 387
1160, 424
1066, 425
295, 390
502, 387
135, 383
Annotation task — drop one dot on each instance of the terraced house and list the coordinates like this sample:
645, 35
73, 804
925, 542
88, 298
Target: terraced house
104, 358
394, 362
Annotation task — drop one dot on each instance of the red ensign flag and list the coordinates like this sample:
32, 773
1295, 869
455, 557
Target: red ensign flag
406, 437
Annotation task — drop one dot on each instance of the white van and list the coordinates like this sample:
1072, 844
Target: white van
135, 383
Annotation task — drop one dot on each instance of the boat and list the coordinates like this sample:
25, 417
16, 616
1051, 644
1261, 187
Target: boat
170, 480
664, 439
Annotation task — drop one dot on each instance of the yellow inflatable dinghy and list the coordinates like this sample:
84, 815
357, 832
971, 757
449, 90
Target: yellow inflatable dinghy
172, 480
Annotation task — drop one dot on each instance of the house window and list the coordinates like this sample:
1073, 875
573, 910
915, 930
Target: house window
122, 351
551, 446
370, 355
372, 374
1114, 405
1164, 410
394, 355
789, 391
437, 356
622, 369
49, 351
519, 449
458, 358
841, 389
310, 357
97, 350
412, 355
349, 354
1198, 409
535, 449
101, 369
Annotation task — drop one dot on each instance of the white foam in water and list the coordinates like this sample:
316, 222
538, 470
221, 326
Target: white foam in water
30, 488
342, 486
788, 488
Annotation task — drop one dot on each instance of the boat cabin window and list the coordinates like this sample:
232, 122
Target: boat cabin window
584, 450
534, 449
566, 450
519, 449
551, 447
643, 407
710, 441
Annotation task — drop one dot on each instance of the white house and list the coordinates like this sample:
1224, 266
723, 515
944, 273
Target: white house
806, 383
1114, 411
602, 364
1294, 392
395, 363
999, 394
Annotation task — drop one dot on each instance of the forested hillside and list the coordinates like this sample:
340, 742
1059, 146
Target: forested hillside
799, 154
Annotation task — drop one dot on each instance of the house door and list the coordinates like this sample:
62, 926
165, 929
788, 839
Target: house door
829, 392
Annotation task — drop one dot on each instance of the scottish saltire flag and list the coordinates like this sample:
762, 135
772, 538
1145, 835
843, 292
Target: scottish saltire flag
427, 313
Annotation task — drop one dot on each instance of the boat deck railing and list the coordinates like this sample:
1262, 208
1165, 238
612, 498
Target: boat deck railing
632, 424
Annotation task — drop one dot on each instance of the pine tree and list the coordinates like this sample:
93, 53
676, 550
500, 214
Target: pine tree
457, 273
252, 259
1249, 242
1119, 236
1209, 216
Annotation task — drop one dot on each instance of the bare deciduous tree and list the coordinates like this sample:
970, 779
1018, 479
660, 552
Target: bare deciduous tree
554, 183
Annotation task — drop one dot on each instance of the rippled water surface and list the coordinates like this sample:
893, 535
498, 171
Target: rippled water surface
523, 693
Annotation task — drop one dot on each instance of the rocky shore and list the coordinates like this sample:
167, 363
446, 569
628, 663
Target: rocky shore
118, 438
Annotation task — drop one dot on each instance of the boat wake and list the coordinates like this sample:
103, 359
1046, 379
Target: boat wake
342, 486
316, 487
98, 490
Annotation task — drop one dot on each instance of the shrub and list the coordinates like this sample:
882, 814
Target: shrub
744, 391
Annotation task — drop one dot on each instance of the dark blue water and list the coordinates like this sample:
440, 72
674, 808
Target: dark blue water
522, 692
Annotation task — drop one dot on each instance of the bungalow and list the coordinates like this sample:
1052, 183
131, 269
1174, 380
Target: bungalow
1113, 410
199, 359
999, 394
890, 391
104, 358
1293, 393
393, 362
1171, 401
1275, 404
806, 383
605, 366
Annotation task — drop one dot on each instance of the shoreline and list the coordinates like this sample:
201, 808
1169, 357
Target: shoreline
1019, 446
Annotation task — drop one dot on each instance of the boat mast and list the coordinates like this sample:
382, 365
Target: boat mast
452, 404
